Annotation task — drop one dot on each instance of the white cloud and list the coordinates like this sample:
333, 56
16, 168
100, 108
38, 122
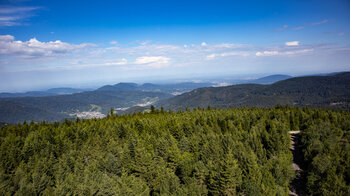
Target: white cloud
34, 48
113, 42
8, 21
213, 56
8, 18
6, 38
143, 43
122, 61
146, 50
267, 53
283, 53
52, 55
293, 43
153, 62
152, 59
203, 44
228, 45
297, 52
14, 16
16, 10
320, 22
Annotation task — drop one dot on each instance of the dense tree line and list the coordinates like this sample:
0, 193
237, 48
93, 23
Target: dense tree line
313, 91
194, 152
326, 150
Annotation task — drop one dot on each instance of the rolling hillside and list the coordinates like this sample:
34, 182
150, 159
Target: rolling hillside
315, 91
270, 79
165, 88
49, 92
55, 108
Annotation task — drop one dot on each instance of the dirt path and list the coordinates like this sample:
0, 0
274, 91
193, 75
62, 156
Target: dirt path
297, 185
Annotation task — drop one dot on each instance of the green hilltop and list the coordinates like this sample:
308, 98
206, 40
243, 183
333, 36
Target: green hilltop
313, 91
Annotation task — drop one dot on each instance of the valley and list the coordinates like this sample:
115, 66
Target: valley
312, 91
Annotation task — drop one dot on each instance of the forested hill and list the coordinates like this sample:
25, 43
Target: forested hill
270, 79
57, 108
315, 91
199, 152
49, 92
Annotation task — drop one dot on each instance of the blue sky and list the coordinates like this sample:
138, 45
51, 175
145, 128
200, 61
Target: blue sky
90, 43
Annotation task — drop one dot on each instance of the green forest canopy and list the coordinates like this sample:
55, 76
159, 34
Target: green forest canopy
200, 152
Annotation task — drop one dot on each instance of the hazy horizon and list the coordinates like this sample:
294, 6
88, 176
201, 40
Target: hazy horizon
86, 44
223, 80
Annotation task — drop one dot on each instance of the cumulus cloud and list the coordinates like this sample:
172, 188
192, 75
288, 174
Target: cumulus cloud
213, 56
152, 60
203, 44
113, 42
60, 55
293, 43
34, 48
6, 38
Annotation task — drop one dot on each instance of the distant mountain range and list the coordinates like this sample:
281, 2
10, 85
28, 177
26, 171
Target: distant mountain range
49, 92
315, 91
60, 103
270, 79
174, 89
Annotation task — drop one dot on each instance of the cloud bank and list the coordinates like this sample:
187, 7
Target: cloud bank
17, 55
34, 48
